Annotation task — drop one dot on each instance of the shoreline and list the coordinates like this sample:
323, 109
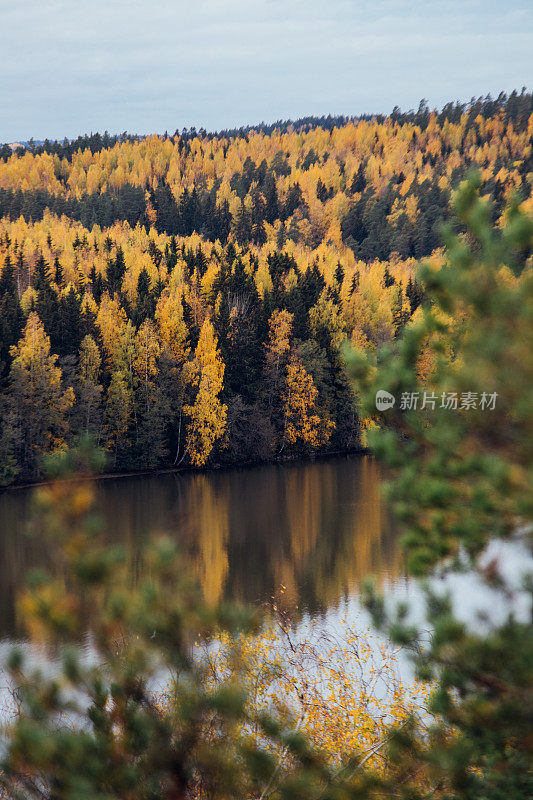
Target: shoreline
154, 473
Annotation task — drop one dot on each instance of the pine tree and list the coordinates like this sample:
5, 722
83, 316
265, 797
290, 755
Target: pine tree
460, 484
58, 273
97, 284
69, 328
414, 294
168, 216
293, 200
47, 302
339, 275
359, 180
242, 228
116, 269
281, 236
321, 191
145, 302
271, 199
388, 279
400, 313
243, 354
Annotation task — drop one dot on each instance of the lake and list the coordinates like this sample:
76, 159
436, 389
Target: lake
305, 533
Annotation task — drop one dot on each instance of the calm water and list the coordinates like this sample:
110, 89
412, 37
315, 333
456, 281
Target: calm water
315, 529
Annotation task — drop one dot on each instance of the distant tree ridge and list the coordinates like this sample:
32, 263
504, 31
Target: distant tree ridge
183, 298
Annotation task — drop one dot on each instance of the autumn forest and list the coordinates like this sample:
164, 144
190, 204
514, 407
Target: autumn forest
184, 298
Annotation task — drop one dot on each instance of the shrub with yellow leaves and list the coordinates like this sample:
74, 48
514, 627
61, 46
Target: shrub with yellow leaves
342, 688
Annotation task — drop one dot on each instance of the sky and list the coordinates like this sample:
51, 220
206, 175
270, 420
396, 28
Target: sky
145, 66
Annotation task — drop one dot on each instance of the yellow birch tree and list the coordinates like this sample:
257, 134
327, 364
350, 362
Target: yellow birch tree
40, 400
207, 415
303, 425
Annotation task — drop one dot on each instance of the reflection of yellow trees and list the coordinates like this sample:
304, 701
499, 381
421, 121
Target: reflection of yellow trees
309, 533
371, 547
338, 531
367, 545
304, 499
210, 514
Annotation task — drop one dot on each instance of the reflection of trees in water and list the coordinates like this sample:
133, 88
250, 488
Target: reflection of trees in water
315, 529
209, 515
15, 555
337, 532
367, 543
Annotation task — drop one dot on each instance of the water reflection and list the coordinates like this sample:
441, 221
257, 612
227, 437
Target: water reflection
315, 529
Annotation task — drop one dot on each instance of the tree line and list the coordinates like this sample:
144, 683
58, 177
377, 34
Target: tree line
379, 185
172, 377
183, 299
516, 107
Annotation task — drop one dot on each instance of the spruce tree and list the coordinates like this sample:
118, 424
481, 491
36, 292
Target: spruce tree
11, 318
145, 303
70, 330
47, 302
116, 269
359, 180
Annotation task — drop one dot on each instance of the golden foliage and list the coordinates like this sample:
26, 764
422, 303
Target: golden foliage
341, 687
302, 424
36, 380
207, 415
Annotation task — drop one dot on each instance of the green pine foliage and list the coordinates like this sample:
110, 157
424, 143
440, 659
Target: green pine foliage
462, 480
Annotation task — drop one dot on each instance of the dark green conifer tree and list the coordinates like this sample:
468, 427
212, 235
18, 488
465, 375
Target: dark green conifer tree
270, 194
58, 273
47, 303
388, 279
242, 228
145, 303
359, 181
116, 269
11, 317
321, 191
70, 328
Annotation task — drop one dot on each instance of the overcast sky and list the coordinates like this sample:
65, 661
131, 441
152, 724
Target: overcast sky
69, 67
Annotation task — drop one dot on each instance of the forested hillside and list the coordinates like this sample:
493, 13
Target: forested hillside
183, 298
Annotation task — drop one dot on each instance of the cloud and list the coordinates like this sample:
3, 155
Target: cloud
68, 68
